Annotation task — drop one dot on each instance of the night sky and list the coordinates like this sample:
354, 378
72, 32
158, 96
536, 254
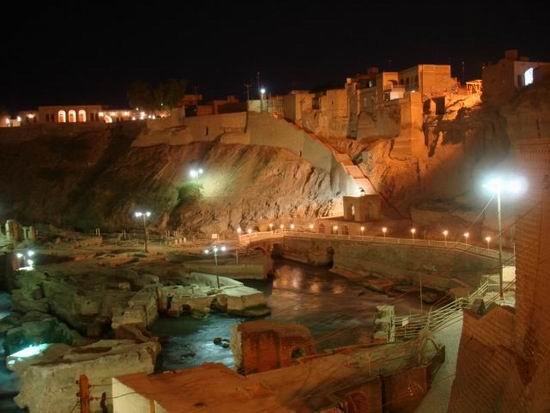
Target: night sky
87, 52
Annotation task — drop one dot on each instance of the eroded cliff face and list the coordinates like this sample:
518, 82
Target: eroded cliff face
87, 178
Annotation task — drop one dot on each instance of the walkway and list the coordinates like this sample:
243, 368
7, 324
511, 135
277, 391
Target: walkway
247, 239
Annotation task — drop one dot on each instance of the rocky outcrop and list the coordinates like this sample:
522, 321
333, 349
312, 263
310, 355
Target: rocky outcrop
96, 178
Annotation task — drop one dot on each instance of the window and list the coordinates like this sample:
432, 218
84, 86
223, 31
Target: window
72, 116
61, 116
82, 115
528, 77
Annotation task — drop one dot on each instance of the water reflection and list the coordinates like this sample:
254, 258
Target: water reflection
337, 312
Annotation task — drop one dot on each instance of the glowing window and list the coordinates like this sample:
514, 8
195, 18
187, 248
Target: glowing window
72, 116
61, 116
82, 115
528, 77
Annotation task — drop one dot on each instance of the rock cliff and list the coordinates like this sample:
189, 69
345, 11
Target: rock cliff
86, 178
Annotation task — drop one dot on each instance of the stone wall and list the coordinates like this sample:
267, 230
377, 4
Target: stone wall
504, 360
405, 262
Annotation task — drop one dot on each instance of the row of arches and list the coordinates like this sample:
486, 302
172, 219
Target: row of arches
72, 116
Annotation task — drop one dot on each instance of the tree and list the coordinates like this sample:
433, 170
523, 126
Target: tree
140, 95
170, 94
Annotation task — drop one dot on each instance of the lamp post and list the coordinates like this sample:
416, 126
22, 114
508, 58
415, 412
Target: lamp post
262, 97
466, 236
282, 227
271, 227
362, 230
488, 240
195, 172
311, 226
335, 229
214, 251
445, 233
144, 215
497, 186
292, 227
384, 230
413, 231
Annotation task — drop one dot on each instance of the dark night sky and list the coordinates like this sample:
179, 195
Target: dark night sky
86, 52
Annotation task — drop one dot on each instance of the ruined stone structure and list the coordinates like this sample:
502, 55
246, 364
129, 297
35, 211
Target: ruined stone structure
264, 345
504, 356
502, 81
363, 208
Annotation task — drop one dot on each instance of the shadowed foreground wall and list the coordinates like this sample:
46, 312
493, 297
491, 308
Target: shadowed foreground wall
504, 358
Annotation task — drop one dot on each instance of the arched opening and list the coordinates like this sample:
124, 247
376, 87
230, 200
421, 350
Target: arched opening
345, 230
61, 116
321, 228
72, 116
82, 115
297, 353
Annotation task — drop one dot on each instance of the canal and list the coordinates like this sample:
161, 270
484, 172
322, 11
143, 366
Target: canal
337, 311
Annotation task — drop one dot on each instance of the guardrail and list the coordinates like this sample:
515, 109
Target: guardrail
246, 239
410, 326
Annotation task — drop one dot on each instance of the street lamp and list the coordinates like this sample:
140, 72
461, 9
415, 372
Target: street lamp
195, 172
311, 226
497, 186
282, 227
335, 229
466, 236
144, 215
271, 227
362, 230
488, 239
262, 97
413, 231
214, 251
384, 230
445, 233
291, 226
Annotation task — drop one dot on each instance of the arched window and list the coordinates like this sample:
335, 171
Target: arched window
82, 115
72, 116
61, 116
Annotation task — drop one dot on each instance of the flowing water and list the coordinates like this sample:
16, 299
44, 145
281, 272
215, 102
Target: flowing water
337, 312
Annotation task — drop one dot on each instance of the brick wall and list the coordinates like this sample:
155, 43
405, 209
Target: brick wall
504, 359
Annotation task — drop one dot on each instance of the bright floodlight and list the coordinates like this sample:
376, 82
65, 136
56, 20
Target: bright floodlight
138, 214
19, 255
193, 173
206, 251
515, 185
200, 171
223, 248
148, 214
262, 91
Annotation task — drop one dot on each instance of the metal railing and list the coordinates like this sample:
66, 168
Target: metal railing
246, 239
410, 326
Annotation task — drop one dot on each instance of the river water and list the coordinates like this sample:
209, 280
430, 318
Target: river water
337, 312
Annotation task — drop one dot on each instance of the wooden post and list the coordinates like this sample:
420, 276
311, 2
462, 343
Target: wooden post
84, 394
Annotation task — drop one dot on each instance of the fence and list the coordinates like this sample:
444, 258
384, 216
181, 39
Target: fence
409, 327
458, 246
